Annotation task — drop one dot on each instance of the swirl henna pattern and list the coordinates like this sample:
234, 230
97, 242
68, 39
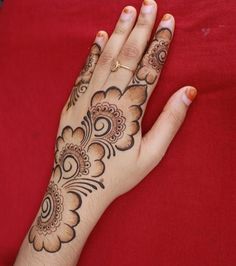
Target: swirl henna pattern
58, 216
153, 61
109, 126
82, 82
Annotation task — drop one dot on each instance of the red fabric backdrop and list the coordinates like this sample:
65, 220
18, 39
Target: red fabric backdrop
183, 213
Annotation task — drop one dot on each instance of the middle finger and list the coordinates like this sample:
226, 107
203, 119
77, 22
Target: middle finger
134, 47
113, 47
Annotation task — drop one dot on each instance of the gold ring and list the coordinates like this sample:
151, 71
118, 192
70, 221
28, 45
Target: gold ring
116, 65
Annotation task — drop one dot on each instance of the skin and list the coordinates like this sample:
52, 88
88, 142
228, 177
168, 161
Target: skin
100, 133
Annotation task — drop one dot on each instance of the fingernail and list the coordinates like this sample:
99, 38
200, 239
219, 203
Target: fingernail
126, 14
167, 21
166, 17
189, 95
99, 36
147, 7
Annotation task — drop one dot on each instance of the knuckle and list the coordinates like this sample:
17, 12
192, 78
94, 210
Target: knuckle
143, 22
119, 30
130, 51
106, 58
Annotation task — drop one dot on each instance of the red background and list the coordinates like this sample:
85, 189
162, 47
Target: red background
184, 212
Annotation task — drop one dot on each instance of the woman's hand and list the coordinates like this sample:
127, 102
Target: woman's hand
100, 151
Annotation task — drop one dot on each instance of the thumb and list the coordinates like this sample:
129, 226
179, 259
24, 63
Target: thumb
155, 143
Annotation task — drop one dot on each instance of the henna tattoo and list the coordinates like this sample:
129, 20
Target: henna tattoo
85, 76
58, 216
123, 113
109, 126
150, 67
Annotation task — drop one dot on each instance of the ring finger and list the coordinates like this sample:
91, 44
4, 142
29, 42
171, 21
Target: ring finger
113, 47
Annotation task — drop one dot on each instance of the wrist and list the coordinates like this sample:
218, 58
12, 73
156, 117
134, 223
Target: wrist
62, 225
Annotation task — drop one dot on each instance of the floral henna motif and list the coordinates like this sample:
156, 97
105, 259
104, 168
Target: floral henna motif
152, 62
112, 116
58, 217
118, 123
82, 82
76, 158
110, 124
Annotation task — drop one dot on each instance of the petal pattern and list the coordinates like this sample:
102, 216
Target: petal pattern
109, 126
115, 114
154, 59
57, 213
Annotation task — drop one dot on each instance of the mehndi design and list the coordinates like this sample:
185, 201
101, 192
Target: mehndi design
153, 61
109, 125
82, 82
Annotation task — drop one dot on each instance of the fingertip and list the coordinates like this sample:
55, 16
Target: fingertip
148, 6
191, 92
189, 95
129, 9
168, 16
167, 21
101, 38
149, 2
128, 14
102, 34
